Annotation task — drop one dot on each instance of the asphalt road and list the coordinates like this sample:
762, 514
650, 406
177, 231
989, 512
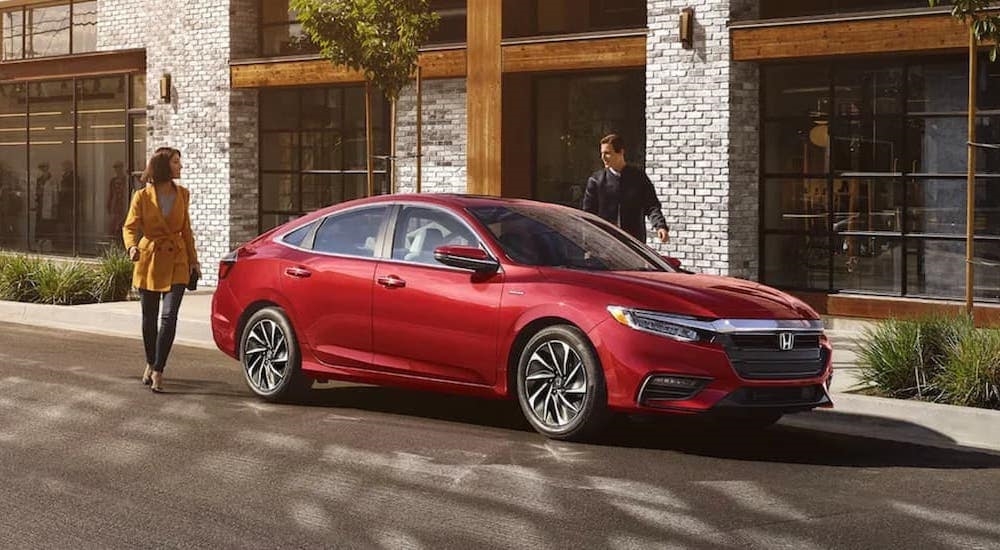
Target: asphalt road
91, 459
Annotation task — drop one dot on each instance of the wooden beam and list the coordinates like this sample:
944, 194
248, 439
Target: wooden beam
911, 34
304, 72
571, 55
483, 98
126, 61
879, 307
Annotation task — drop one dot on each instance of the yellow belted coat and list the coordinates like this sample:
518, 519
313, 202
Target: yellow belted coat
166, 249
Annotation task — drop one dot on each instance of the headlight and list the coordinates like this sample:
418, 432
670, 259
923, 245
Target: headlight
656, 323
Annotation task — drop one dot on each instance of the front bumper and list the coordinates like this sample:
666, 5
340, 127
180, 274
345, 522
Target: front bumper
728, 375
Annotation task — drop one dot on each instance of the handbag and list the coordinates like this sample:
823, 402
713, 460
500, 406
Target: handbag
193, 281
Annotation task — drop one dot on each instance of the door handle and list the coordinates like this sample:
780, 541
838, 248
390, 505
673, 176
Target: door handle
299, 272
391, 281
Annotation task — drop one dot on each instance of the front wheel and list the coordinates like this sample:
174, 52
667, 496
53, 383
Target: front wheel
560, 384
269, 353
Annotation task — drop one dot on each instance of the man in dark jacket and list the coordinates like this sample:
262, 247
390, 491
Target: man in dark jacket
623, 195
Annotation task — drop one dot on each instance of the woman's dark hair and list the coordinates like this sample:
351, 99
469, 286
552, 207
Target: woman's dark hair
158, 169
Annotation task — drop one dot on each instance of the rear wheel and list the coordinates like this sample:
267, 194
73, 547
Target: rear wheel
269, 353
560, 384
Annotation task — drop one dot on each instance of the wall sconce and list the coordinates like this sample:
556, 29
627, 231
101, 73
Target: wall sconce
687, 28
165, 88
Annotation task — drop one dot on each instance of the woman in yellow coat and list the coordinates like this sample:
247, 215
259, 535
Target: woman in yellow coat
157, 234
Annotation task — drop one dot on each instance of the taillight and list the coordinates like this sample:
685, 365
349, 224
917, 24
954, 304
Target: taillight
227, 263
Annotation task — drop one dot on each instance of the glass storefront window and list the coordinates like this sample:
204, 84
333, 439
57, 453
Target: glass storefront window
312, 144
12, 22
882, 146
523, 18
84, 26
573, 113
47, 30
101, 154
16, 199
783, 8
452, 22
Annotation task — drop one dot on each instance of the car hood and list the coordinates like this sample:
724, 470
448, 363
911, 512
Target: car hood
704, 296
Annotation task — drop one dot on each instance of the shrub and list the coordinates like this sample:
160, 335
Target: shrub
18, 276
114, 276
972, 375
905, 358
72, 283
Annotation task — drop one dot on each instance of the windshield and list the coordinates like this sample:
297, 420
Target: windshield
561, 237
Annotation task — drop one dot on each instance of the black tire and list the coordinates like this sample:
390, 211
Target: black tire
560, 385
270, 357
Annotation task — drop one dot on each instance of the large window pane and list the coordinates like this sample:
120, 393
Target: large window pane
875, 90
50, 122
279, 151
15, 189
797, 90
279, 193
546, 17
573, 113
937, 145
48, 30
12, 22
138, 133
865, 145
285, 39
84, 26
938, 87
869, 264
867, 204
452, 24
797, 261
138, 98
796, 205
936, 205
936, 268
784, 8
279, 109
796, 147
323, 108
101, 179
321, 151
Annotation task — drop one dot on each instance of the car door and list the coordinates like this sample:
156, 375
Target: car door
329, 281
430, 319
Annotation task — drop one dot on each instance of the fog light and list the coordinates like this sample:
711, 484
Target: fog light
676, 382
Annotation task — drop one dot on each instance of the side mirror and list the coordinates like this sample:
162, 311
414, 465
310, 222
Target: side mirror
466, 257
673, 262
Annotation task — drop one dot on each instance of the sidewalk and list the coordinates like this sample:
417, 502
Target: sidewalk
857, 415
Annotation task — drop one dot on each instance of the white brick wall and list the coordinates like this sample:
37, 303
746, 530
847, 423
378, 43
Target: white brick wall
191, 40
443, 137
701, 138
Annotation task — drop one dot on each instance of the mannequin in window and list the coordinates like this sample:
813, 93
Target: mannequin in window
46, 207
114, 205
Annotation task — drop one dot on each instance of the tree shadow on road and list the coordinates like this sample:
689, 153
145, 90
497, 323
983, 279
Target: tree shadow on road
780, 444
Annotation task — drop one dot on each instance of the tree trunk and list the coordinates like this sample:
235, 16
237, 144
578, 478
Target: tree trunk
369, 138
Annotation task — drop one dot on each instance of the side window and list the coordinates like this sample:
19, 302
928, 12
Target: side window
420, 230
296, 238
352, 233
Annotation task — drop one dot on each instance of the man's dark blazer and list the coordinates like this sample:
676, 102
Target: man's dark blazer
635, 197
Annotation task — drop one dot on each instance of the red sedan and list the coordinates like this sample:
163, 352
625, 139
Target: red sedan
516, 299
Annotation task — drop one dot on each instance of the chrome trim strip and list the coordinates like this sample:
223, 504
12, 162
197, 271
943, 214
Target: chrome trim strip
729, 326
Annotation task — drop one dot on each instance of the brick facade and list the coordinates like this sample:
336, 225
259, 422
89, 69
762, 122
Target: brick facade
701, 112
212, 125
443, 137
701, 145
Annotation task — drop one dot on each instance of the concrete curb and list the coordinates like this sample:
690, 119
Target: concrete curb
947, 426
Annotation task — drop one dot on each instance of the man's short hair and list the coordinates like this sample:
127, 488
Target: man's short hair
616, 141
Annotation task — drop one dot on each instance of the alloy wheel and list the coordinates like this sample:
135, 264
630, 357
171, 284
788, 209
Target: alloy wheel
266, 356
555, 383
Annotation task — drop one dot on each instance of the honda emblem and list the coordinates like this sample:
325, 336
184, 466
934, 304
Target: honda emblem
786, 341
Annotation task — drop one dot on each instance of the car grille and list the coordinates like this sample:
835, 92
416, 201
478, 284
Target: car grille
758, 356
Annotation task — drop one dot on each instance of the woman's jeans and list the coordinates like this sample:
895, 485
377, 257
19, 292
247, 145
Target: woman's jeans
159, 342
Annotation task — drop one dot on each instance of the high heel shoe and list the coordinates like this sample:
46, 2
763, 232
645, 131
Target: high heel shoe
157, 380
147, 376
